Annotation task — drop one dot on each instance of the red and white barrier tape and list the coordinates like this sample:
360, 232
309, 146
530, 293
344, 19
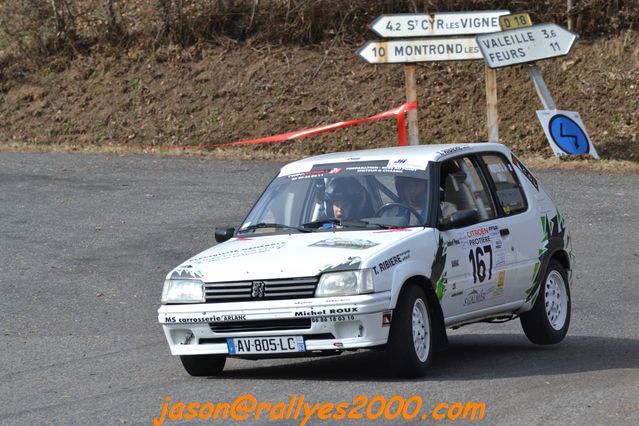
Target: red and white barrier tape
399, 112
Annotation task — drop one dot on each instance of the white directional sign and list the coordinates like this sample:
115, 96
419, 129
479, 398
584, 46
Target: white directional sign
419, 50
437, 24
526, 44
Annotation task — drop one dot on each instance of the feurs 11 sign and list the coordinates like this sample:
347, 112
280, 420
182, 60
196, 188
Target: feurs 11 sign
526, 44
437, 24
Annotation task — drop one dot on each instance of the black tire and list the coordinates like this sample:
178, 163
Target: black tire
547, 323
409, 356
203, 365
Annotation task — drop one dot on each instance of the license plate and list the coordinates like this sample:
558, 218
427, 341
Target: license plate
265, 345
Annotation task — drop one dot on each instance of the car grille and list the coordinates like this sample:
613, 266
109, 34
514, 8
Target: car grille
261, 325
238, 291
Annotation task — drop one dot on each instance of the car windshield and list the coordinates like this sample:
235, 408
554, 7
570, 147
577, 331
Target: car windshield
342, 196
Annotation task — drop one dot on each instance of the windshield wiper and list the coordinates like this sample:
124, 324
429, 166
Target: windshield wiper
373, 223
335, 222
319, 223
271, 225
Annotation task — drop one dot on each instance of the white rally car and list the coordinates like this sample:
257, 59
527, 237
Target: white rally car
382, 249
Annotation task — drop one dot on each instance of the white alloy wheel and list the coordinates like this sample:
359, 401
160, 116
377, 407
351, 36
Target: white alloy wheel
421, 328
556, 300
410, 345
548, 321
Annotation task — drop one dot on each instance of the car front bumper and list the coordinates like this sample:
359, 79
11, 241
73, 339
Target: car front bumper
333, 323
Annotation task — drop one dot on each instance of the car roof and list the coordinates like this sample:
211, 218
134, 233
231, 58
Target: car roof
413, 157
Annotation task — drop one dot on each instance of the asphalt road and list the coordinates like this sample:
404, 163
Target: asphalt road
85, 243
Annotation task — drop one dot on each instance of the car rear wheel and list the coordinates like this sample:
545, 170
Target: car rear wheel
547, 323
203, 365
410, 342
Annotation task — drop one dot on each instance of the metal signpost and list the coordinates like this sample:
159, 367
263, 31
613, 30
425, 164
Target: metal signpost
540, 86
413, 50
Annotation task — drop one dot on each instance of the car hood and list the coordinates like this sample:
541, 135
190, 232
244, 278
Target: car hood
288, 255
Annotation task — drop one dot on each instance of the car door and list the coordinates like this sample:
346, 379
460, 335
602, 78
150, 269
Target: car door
478, 256
517, 220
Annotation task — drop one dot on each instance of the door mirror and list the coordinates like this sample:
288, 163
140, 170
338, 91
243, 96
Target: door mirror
223, 234
459, 219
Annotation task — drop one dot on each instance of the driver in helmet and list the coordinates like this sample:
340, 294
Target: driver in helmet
345, 198
413, 191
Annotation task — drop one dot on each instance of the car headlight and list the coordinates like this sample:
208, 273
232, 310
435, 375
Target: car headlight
183, 291
345, 283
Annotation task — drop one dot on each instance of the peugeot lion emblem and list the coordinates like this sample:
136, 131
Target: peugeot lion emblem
257, 289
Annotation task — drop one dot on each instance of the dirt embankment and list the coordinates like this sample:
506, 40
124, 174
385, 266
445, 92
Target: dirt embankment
212, 94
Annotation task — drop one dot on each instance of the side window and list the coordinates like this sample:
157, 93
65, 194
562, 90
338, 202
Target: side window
510, 195
463, 187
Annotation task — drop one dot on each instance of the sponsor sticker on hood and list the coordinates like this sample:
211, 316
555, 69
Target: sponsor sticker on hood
347, 243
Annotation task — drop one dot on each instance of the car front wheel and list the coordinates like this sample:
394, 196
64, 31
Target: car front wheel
410, 342
547, 323
203, 365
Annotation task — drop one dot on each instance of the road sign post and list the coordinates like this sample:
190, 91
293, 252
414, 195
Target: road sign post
569, 13
492, 115
540, 87
411, 95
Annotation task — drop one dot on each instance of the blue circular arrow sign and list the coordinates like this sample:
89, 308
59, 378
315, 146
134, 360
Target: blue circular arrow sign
568, 135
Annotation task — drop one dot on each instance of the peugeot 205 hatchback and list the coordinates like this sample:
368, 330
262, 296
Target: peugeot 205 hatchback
384, 249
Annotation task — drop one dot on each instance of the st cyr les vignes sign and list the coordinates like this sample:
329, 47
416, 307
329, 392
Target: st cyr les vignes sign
437, 24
